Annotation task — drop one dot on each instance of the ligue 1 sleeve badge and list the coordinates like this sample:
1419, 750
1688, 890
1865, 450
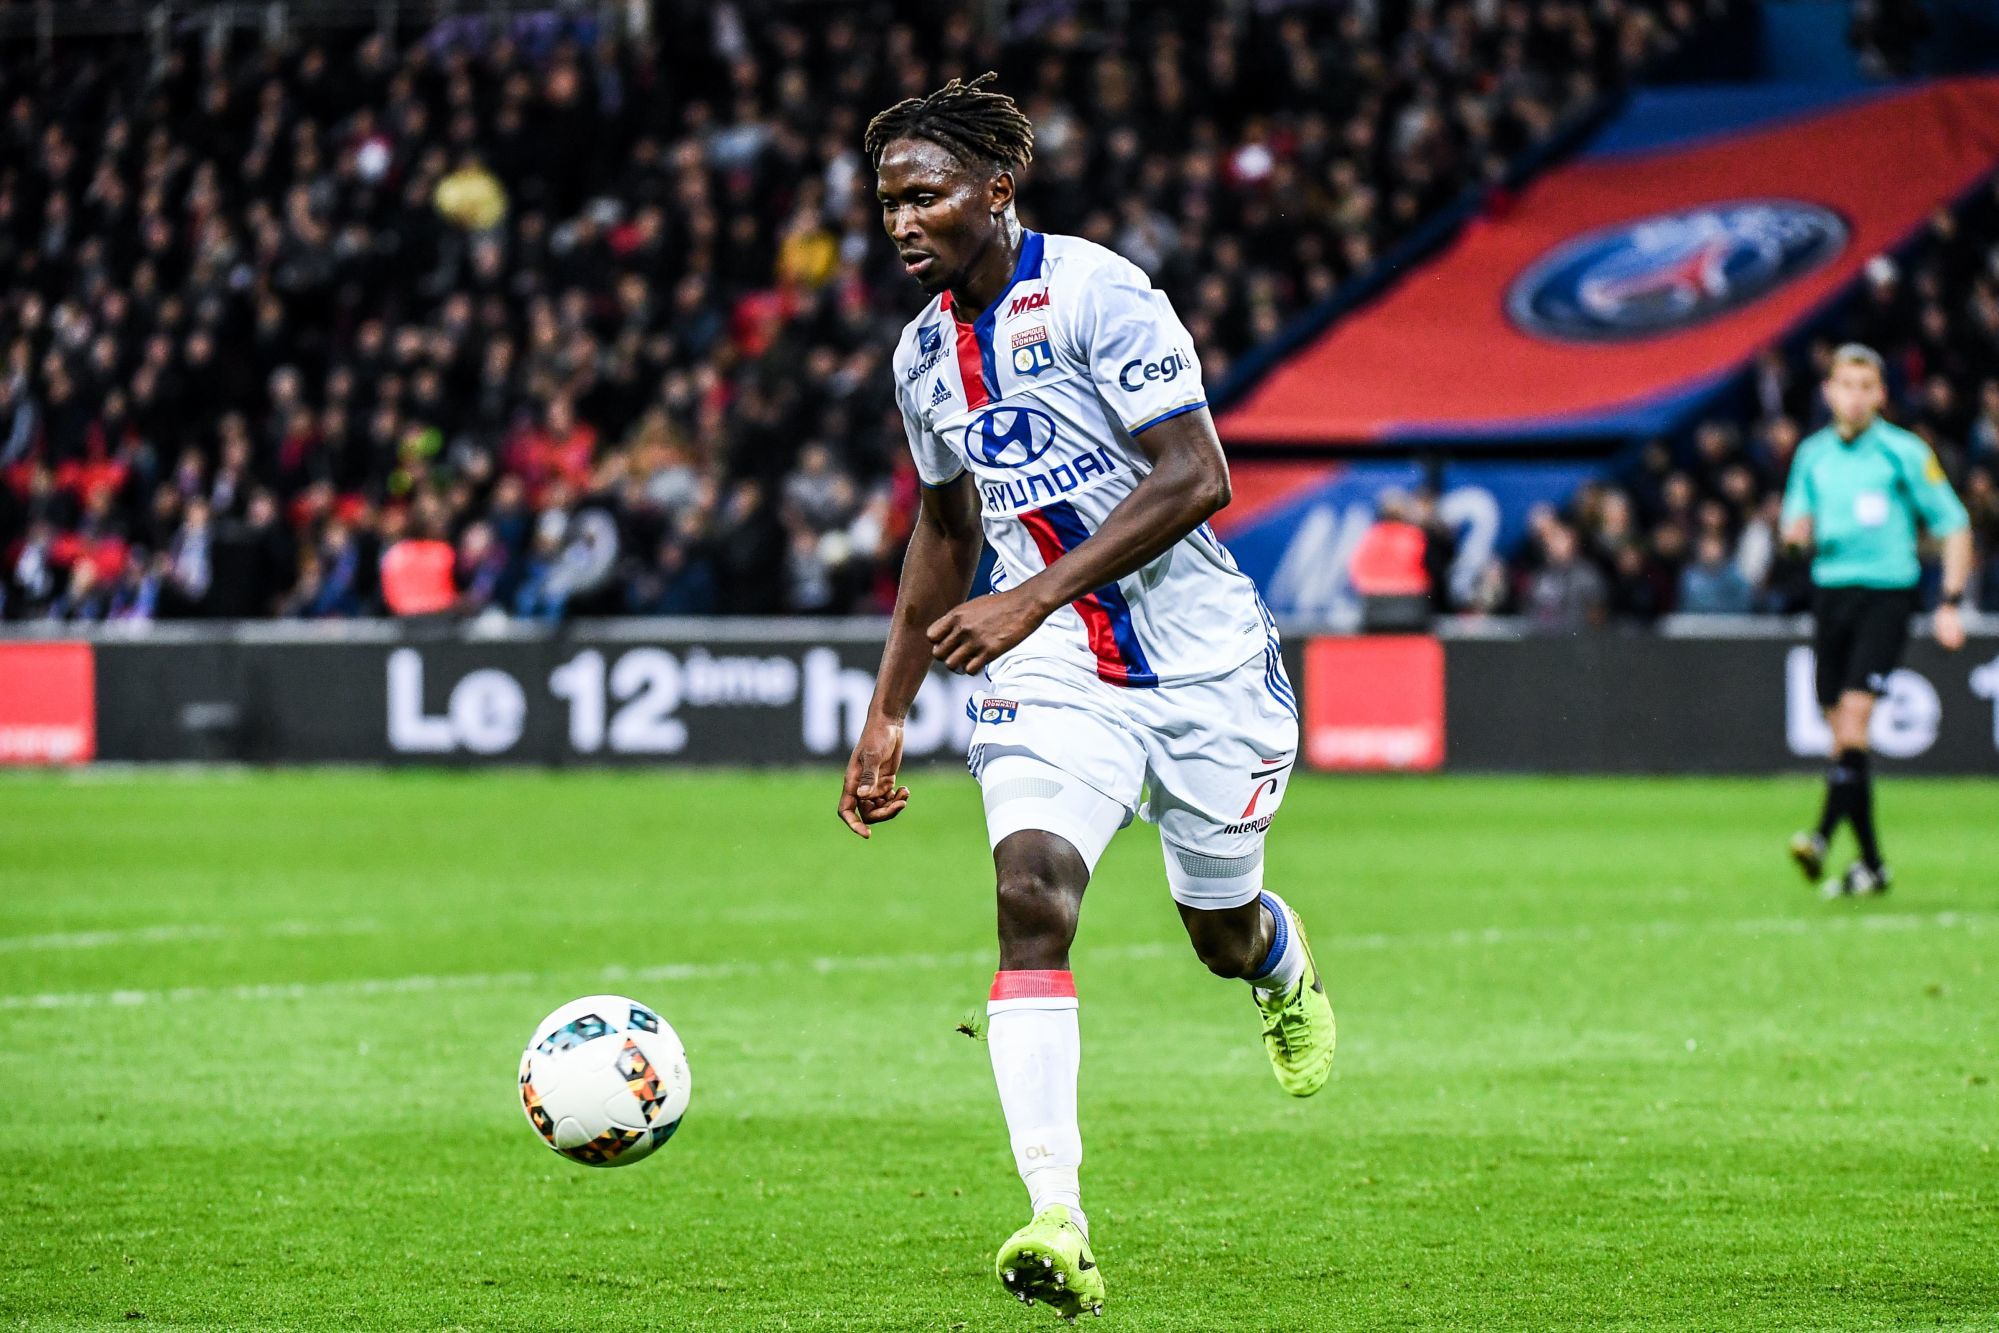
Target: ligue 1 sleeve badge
1670, 271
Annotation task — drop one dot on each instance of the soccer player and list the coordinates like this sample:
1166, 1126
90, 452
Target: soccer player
1053, 403
1856, 492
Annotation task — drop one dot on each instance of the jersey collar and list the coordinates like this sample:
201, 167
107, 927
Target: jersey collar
1867, 433
1026, 267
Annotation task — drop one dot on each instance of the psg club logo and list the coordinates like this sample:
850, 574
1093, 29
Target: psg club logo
1009, 437
1671, 271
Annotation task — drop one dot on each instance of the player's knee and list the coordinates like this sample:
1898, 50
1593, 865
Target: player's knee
1041, 883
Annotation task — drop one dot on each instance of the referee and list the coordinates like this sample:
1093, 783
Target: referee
1856, 492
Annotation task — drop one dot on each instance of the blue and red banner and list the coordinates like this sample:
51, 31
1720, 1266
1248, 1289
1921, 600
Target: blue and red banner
1621, 290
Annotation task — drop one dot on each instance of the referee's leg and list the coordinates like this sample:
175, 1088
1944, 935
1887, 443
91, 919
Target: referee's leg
1880, 635
1832, 649
1861, 635
1849, 718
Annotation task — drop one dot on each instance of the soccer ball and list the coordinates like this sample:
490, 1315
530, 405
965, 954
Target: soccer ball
604, 1081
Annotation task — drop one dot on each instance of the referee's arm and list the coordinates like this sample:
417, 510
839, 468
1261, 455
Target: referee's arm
1796, 523
1944, 517
1948, 622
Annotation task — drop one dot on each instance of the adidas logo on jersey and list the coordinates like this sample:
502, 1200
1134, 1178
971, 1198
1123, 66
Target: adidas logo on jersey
939, 393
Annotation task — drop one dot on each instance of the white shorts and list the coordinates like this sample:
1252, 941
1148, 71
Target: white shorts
1056, 749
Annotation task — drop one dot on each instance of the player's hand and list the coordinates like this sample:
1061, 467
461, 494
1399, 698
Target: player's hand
1948, 623
870, 794
970, 635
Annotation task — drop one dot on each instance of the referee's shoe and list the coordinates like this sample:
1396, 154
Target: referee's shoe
1859, 882
1808, 850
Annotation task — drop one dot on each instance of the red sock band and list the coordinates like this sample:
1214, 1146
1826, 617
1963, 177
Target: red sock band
1033, 985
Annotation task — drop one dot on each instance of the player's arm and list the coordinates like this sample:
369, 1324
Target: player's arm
1189, 481
937, 572
1141, 361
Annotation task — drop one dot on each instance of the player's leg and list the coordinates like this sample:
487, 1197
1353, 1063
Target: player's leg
1031, 1025
1045, 753
1215, 786
1035, 1042
1231, 941
1261, 941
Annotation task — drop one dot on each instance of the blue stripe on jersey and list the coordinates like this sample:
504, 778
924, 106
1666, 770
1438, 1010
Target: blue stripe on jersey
1144, 426
1025, 269
1274, 680
1069, 529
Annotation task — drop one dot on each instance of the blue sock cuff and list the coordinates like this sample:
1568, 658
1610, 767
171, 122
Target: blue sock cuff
1280, 936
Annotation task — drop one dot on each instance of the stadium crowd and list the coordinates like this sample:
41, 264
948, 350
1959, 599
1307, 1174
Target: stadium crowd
555, 321
1693, 526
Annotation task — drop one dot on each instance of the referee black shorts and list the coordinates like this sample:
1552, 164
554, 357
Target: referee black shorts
1858, 638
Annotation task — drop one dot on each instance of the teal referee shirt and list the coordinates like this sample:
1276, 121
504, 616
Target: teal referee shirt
1864, 496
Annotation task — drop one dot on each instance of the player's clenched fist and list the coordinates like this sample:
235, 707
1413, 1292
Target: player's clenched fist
870, 794
970, 636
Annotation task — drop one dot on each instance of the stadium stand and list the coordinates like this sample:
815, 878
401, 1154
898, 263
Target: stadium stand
610, 322
1695, 528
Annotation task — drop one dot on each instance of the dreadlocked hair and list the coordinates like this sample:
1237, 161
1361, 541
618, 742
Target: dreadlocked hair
972, 124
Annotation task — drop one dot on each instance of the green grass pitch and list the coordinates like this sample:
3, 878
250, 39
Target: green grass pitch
1604, 1061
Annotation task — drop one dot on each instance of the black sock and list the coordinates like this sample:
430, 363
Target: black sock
1860, 805
1838, 797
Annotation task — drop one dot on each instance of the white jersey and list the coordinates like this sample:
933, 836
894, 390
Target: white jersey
1041, 397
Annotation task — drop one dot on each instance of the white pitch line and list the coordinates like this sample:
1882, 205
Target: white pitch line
182, 933
841, 964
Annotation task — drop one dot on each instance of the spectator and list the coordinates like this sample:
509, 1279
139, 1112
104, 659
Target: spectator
1566, 594
463, 275
470, 197
417, 568
1389, 568
1886, 34
192, 561
1712, 584
483, 570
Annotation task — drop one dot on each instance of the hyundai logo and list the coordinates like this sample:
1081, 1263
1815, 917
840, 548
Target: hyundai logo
1009, 437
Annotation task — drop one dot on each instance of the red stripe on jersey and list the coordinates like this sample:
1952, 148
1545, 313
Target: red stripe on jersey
1033, 986
1096, 620
969, 360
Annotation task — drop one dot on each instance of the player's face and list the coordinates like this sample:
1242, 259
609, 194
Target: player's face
940, 213
1855, 393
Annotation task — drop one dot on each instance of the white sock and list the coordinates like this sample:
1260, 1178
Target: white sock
1285, 962
1032, 1033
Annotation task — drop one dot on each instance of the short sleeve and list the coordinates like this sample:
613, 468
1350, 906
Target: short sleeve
936, 462
1140, 355
1929, 487
1798, 488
